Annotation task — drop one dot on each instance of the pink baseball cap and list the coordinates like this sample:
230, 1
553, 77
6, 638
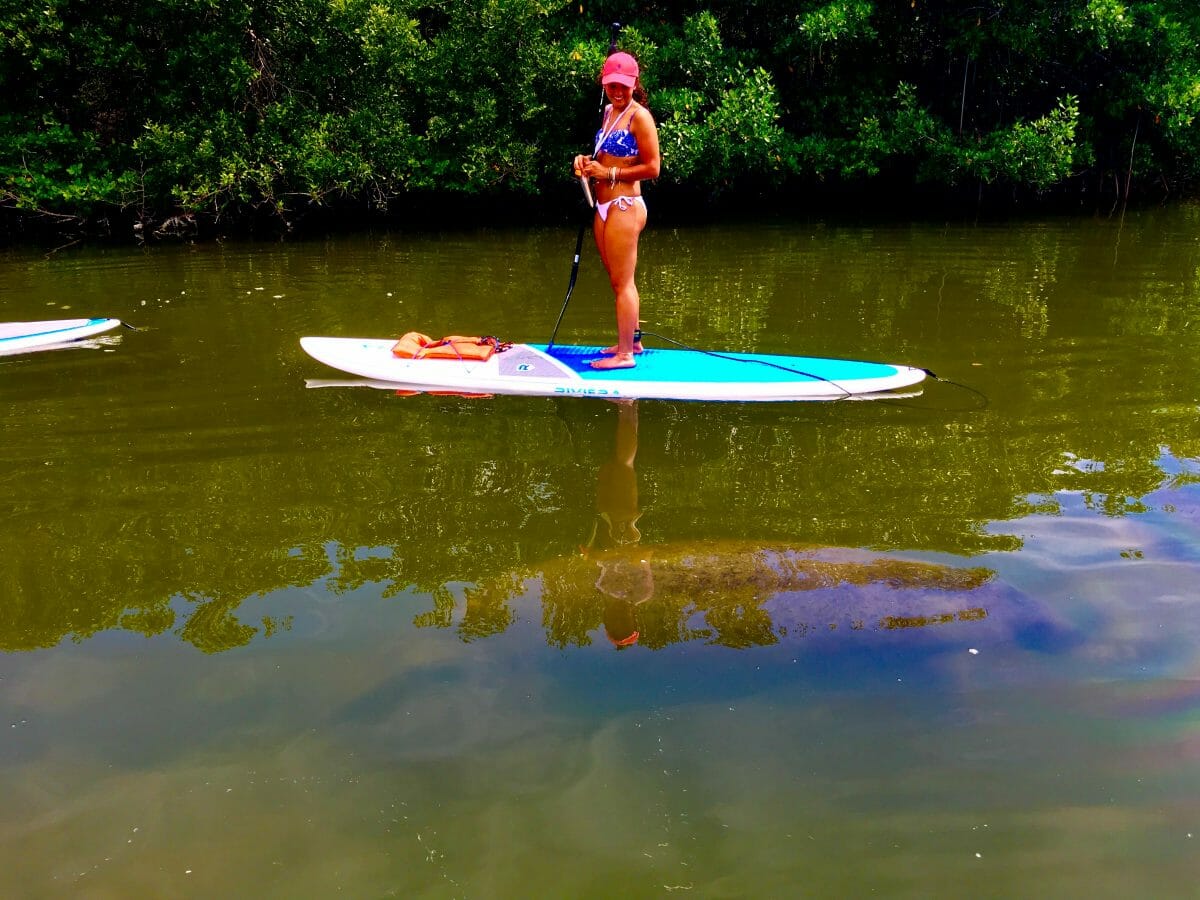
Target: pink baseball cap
620, 68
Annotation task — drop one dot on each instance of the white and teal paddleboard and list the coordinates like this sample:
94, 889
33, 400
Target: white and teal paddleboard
51, 334
564, 371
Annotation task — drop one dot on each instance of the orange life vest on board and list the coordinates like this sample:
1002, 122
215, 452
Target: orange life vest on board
415, 345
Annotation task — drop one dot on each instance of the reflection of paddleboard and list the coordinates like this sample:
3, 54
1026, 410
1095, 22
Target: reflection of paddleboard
399, 390
563, 370
20, 337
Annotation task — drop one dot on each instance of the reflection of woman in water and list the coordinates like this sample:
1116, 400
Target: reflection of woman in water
626, 579
616, 482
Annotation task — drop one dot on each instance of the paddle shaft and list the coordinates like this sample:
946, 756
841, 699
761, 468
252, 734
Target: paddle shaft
615, 29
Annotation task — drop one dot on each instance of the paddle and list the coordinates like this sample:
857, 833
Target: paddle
614, 30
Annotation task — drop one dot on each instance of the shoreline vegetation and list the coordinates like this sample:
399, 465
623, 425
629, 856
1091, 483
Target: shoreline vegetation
194, 119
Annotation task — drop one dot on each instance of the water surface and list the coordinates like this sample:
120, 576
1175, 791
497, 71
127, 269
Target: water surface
261, 638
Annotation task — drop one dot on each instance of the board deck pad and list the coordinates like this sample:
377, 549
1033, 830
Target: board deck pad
521, 361
714, 367
667, 374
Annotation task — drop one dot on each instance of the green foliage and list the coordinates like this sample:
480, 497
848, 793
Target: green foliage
1041, 153
274, 105
831, 22
726, 125
54, 165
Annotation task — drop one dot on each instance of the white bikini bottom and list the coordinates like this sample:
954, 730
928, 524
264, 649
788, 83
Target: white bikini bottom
623, 202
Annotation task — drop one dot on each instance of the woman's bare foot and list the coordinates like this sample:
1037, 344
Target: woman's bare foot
615, 361
609, 351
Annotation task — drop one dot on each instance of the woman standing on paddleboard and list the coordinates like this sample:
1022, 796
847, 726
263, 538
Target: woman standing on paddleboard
625, 154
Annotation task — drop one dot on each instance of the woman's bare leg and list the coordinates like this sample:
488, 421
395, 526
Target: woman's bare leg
619, 239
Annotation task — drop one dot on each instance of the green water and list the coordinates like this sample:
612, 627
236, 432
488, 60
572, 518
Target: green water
264, 638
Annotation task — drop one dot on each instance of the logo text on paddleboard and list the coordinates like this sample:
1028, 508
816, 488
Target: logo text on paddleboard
591, 392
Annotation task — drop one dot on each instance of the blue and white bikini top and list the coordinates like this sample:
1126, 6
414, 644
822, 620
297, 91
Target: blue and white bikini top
617, 142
